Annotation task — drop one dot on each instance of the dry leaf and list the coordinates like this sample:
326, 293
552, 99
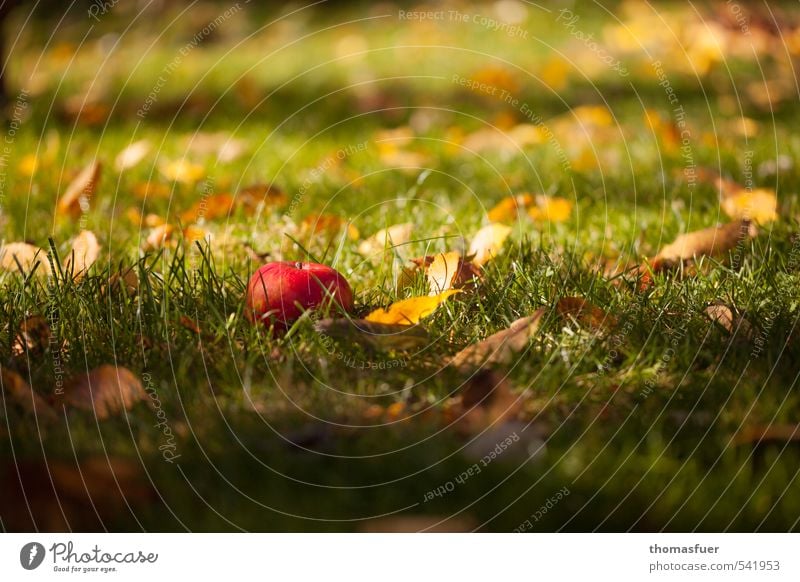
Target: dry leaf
488, 242
159, 237
23, 256
254, 195
183, 171
769, 434
77, 195
410, 311
584, 312
500, 347
144, 190
379, 335
760, 205
386, 239
125, 281
210, 208
19, 391
107, 390
709, 241
449, 271
33, 336
85, 250
725, 317
485, 400
132, 155
329, 224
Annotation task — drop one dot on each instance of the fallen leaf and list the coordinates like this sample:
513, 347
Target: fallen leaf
144, 190
159, 237
194, 233
760, 205
125, 281
132, 155
255, 195
33, 336
500, 347
386, 239
711, 241
449, 271
210, 208
85, 250
329, 224
550, 209
24, 257
28, 165
509, 208
20, 392
726, 318
76, 197
183, 171
107, 390
485, 400
488, 242
584, 312
410, 311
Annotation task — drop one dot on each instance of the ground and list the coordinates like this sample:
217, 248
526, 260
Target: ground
652, 413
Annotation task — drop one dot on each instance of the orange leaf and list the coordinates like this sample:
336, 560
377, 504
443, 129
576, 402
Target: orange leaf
488, 242
709, 241
85, 250
78, 193
508, 209
107, 390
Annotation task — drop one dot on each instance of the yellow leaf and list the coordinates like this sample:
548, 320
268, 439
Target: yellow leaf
487, 242
547, 209
448, 270
28, 165
182, 171
410, 311
758, 205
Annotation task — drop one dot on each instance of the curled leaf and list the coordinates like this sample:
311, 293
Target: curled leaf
707, 242
410, 311
499, 347
448, 271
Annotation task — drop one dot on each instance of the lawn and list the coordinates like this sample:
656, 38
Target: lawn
657, 389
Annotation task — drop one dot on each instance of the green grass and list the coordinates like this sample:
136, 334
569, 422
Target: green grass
640, 420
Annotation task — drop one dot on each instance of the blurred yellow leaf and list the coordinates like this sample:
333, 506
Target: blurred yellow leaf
329, 224
28, 165
759, 205
547, 209
183, 171
487, 242
410, 311
508, 209
210, 208
447, 271
144, 190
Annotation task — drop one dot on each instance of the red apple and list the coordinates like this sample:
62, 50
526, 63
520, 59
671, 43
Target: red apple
279, 292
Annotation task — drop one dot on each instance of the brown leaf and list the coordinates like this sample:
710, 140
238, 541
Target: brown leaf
85, 250
725, 317
769, 434
500, 347
159, 237
17, 390
107, 390
485, 400
210, 208
126, 281
16, 257
584, 312
707, 242
78, 193
33, 336
254, 195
